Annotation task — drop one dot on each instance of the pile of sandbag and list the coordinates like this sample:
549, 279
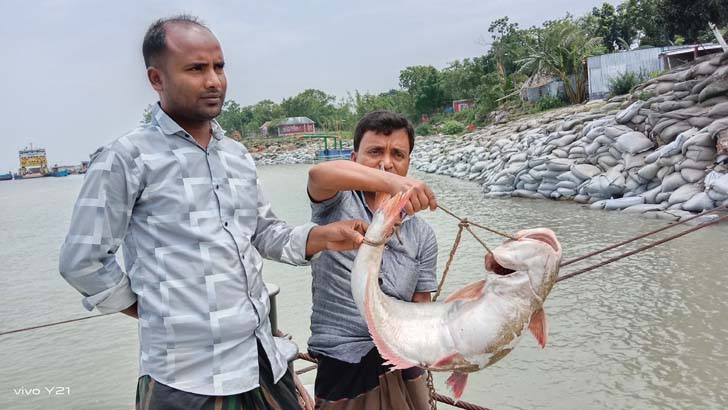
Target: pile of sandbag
662, 151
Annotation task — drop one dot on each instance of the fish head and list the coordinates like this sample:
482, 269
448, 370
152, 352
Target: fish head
535, 252
387, 216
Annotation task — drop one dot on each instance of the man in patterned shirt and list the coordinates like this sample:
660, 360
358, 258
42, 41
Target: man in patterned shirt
186, 202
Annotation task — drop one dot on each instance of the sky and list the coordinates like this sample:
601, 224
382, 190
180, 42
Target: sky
72, 76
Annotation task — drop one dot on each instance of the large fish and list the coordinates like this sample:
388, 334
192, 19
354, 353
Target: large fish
474, 327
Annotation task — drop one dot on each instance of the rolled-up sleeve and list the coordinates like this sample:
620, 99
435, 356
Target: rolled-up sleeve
427, 258
98, 227
275, 239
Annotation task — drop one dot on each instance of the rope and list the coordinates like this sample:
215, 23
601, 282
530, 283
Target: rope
52, 324
306, 369
616, 245
459, 403
439, 397
640, 249
492, 230
449, 261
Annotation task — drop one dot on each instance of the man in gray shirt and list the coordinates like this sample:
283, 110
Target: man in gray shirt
351, 374
187, 204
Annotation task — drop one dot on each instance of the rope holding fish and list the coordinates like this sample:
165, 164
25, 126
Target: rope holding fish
450, 258
433, 393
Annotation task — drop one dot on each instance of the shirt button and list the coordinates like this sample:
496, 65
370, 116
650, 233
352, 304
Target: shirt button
217, 186
225, 223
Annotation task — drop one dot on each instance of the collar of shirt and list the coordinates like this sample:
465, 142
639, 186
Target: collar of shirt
170, 127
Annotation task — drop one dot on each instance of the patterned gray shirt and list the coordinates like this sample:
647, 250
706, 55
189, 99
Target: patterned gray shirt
195, 226
337, 328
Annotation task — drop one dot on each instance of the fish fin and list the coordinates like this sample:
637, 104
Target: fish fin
470, 291
456, 382
380, 198
444, 360
538, 327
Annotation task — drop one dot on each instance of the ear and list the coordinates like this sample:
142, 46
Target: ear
154, 75
353, 156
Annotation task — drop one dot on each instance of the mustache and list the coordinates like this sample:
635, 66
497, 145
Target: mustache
213, 94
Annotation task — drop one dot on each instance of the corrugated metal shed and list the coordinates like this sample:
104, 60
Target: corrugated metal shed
607, 66
604, 67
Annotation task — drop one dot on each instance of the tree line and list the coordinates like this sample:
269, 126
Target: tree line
557, 48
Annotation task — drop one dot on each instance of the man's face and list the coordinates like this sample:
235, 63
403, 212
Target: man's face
189, 75
391, 151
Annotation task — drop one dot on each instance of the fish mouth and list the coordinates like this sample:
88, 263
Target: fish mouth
491, 265
544, 235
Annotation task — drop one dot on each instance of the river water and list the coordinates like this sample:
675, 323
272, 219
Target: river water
647, 332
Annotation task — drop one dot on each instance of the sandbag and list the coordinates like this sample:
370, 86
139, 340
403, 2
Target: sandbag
621, 203
627, 114
717, 182
642, 208
651, 195
683, 194
521, 193
648, 172
698, 203
633, 142
673, 182
692, 175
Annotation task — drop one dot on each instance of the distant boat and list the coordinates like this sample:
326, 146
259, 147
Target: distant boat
33, 163
59, 172
6, 177
332, 154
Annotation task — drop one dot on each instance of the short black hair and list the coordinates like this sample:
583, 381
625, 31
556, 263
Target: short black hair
154, 40
383, 122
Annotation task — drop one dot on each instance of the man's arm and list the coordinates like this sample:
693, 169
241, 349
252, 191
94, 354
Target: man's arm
100, 219
420, 297
328, 178
278, 241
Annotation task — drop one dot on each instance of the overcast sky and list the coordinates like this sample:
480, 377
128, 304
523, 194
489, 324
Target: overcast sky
73, 79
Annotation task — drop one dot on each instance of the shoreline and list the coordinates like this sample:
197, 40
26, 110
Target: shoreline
660, 152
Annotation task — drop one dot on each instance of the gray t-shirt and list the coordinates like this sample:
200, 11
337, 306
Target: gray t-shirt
337, 328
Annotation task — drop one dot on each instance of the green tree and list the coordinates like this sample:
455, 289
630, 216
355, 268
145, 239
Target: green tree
561, 49
233, 117
460, 80
689, 18
394, 100
311, 103
262, 111
423, 85
611, 25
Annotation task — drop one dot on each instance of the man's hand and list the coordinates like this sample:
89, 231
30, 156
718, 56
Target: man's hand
422, 196
327, 178
336, 236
